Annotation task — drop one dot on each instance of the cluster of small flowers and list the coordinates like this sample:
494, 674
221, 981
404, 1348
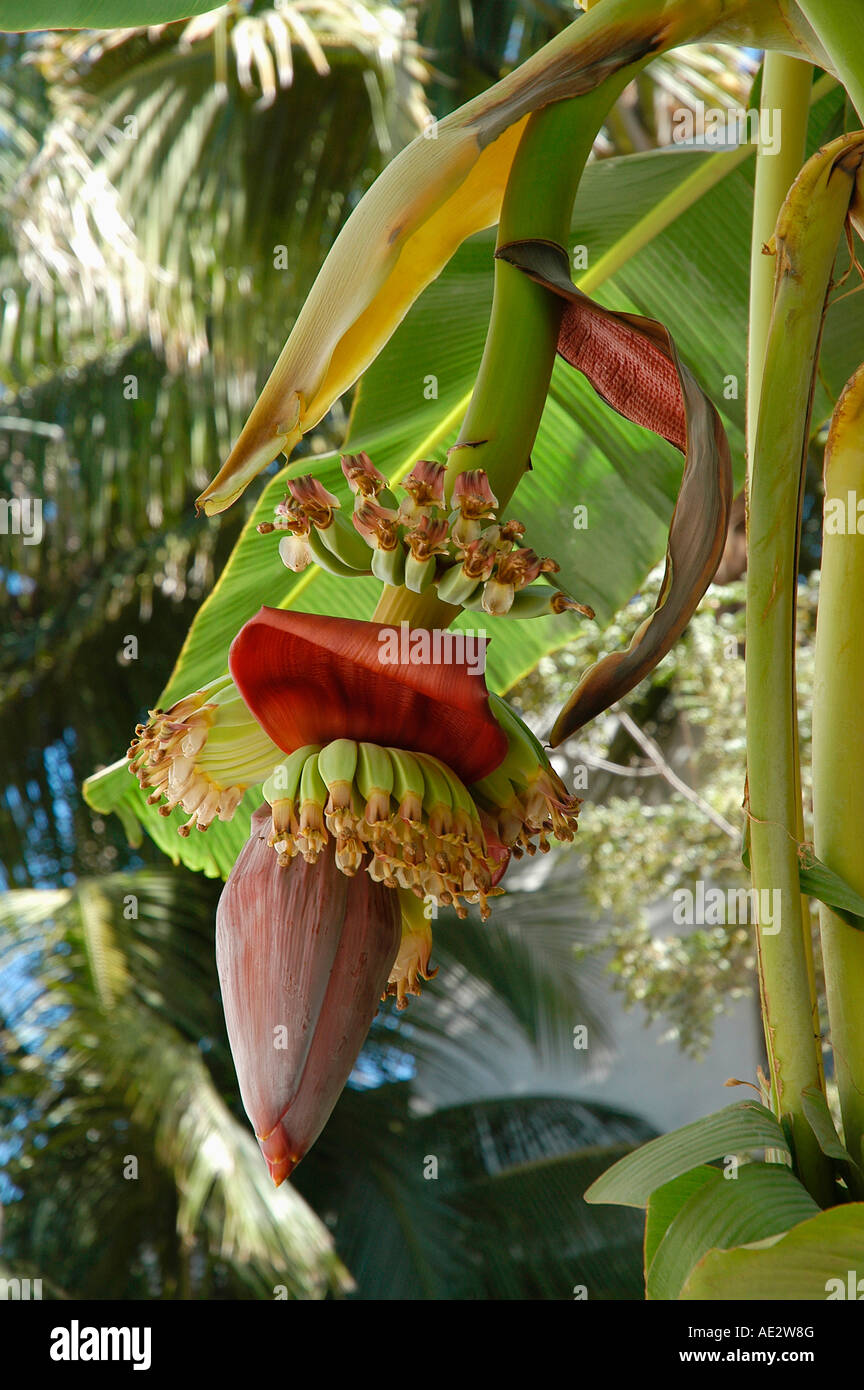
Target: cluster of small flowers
202, 754
532, 810
427, 838
164, 757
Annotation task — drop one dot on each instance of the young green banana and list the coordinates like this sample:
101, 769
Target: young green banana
345, 544
457, 587
389, 565
375, 781
408, 785
337, 764
534, 601
326, 558
419, 574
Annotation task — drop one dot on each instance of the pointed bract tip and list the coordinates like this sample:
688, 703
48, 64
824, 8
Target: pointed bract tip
280, 1161
255, 448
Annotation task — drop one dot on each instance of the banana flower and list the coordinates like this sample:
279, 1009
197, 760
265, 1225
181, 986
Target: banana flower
393, 783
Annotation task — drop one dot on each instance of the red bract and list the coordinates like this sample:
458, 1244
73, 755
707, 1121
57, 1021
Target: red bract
304, 955
311, 679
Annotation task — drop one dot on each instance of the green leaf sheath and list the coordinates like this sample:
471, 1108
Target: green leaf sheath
806, 241
838, 754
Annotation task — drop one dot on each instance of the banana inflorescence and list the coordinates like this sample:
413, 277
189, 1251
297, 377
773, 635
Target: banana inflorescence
402, 815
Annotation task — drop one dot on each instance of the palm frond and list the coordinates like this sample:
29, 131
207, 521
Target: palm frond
102, 1057
177, 160
515, 975
475, 1201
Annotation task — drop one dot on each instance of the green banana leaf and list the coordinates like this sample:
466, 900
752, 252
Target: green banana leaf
819, 1258
745, 1127
763, 1200
95, 14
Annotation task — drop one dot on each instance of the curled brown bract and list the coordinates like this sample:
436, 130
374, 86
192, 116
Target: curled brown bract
632, 364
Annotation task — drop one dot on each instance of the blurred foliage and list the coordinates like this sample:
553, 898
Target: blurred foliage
639, 839
167, 197
491, 1193
108, 1028
114, 1117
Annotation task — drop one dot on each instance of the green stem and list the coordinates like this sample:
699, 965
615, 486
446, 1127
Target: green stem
398, 605
502, 420
838, 752
806, 240
786, 88
839, 26
786, 84
503, 416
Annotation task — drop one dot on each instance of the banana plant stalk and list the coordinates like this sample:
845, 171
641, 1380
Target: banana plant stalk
786, 87
838, 748
805, 244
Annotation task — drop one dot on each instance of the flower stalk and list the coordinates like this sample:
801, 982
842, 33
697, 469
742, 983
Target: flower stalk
502, 420
503, 416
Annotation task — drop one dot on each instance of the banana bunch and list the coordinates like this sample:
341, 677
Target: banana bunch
417, 541
411, 821
524, 797
406, 814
